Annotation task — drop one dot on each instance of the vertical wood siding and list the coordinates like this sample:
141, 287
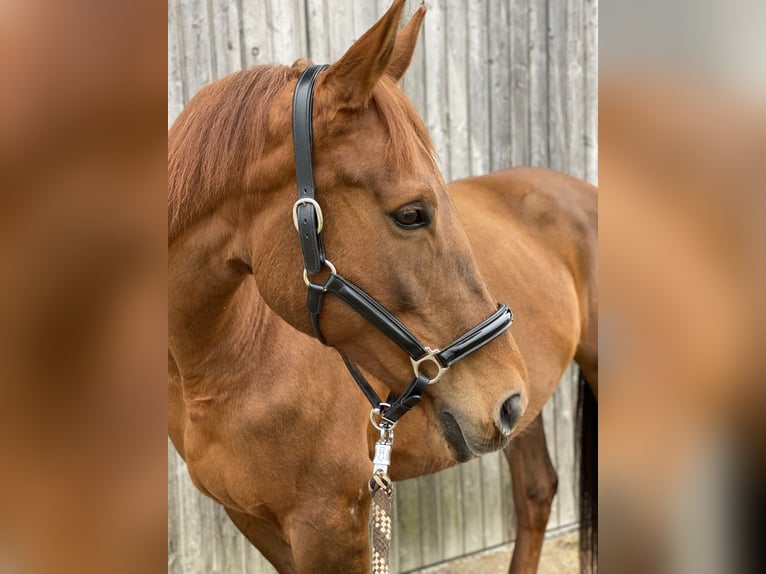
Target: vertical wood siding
498, 83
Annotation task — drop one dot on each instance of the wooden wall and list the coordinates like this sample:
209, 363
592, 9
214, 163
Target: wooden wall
499, 83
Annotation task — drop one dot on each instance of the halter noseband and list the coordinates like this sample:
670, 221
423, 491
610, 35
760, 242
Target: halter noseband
308, 220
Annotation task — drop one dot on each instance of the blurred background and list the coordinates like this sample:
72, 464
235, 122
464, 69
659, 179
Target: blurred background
681, 216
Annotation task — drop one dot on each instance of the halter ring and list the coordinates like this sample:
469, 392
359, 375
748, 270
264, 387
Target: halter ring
327, 262
429, 356
320, 218
385, 426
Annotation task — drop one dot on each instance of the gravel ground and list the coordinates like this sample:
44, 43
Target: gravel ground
559, 557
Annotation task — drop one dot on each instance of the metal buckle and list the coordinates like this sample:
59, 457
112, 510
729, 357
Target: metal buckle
320, 218
381, 459
385, 426
330, 266
429, 356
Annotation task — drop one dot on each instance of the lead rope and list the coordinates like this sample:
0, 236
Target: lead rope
382, 491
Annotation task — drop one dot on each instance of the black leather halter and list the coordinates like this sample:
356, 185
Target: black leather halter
308, 220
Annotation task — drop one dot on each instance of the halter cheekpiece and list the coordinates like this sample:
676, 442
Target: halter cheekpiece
309, 221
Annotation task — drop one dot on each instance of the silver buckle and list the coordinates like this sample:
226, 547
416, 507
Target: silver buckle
301, 201
330, 266
429, 356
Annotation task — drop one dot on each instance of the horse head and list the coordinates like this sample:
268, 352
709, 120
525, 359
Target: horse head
388, 226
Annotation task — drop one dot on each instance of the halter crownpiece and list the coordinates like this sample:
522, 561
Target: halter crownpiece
309, 221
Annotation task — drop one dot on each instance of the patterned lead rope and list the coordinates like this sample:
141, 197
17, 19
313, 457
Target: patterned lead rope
381, 489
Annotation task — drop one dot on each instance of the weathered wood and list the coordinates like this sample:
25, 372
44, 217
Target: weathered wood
575, 89
492, 499
451, 513
457, 95
519, 83
437, 103
590, 25
194, 43
556, 25
318, 31
473, 521
498, 83
174, 519
538, 83
478, 90
565, 400
508, 510
407, 522
414, 81
549, 423
430, 523
226, 38
176, 83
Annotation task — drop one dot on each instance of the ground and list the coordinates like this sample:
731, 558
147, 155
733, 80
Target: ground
560, 556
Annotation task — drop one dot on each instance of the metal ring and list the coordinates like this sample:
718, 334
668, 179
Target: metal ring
429, 356
330, 266
386, 426
301, 201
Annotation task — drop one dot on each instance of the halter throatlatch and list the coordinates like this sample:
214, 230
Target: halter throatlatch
309, 221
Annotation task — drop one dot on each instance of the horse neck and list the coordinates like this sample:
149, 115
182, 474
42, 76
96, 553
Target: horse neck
215, 312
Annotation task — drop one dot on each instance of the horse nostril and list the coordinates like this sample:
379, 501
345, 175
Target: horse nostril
510, 411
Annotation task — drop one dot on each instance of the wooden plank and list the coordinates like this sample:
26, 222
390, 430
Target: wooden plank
394, 551
590, 73
473, 521
430, 519
556, 85
176, 83
226, 37
520, 84
195, 45
408, 525
174, 558
575, 89
255, 34
437, 114
255, 562
287, 24
414, 81
492, 500
457, 92
229, 543
565, 399
479, 146
365, 14
451, 513
194, 553
318, 31
549, 422
457, 89
500, 82
508, 512
341, 28
538, 83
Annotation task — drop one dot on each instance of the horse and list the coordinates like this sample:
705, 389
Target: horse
266, 417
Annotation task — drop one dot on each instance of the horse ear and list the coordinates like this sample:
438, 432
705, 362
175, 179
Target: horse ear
352, 78
405, 45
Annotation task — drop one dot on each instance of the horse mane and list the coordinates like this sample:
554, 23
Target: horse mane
210, 143
224, 127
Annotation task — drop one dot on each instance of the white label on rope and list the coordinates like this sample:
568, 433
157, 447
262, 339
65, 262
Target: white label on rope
382, 458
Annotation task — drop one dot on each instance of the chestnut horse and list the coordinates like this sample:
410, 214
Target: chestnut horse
267, 418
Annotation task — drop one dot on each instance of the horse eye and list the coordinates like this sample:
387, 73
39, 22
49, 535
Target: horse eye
411, 217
